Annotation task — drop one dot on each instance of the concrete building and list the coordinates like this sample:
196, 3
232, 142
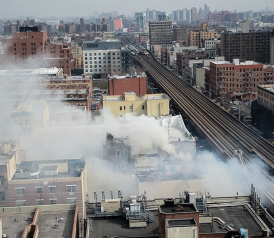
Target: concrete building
262, 110
102, 58
272, 50
188, 54
193, 15
77, 54
151, 105
120, 85
195, 38
247, 46
58, 220
160, 33
228, 80
31, 47
140, 20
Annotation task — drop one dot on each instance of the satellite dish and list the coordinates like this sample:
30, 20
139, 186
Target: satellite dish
45, 182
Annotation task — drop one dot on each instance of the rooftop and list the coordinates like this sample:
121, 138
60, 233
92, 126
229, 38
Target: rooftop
119, 226
178, 208
53, 220
35, 72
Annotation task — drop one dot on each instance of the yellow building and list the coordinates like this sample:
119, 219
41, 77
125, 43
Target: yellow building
151, 105
194, 38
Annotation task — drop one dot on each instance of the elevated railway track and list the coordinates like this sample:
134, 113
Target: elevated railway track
223, 130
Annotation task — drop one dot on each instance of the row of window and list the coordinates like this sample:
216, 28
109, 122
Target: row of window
41, 201
52, 189
104, 53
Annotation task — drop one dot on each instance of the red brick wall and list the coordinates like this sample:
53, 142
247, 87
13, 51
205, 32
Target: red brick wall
137, 85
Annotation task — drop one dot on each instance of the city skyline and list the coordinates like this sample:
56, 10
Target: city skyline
84, 8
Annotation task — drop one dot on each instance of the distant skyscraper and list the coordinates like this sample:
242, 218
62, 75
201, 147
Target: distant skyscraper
193, 14
206, 11
141, 20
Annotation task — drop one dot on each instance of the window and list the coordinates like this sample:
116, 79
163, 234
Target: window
38, 190
21, 203
71, 200
143, 107
172, 168
125, 152
39, 201
52, 201
2, 196
121, 108
118, 153
118, 166
52, 189
71, 188
20, 191
131, 108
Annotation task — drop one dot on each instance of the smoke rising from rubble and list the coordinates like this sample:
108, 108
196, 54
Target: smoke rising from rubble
76, 136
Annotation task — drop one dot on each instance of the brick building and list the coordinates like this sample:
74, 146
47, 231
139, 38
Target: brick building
254, 45
188, 54
41, 182
174, 212
118, 152
228, 80
118, 85
31, 48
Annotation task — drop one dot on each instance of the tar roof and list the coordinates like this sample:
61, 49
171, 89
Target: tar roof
49, 227
238, 216
178, 208
14, 224
119, 226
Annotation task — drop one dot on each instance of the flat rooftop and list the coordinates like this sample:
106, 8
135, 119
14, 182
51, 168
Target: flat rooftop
15, 219
178, 208
236, 215
119, 226
49, 227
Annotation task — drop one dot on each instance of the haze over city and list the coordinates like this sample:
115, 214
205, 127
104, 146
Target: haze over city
63, 8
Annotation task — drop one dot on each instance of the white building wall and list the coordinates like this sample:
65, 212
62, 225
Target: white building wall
102, 62
179, 232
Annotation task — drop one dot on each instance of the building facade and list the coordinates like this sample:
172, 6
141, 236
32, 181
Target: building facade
228, 80
31, 48
151, 105
120, 85
49, 182
160, 32
254, 46
102, 58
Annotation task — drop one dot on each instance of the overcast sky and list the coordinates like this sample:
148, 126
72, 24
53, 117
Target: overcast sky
64, 8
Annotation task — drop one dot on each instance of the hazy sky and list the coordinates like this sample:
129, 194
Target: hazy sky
63, 8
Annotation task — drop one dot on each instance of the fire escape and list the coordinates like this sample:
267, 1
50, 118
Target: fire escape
223, 86
247, 82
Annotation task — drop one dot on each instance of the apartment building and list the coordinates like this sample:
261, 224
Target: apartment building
151, 105
31, 48
196, 38
255, 45
118, 85
182, 57
104, 57
160, 32
140, 20
229, 80
42, 182
266, 96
